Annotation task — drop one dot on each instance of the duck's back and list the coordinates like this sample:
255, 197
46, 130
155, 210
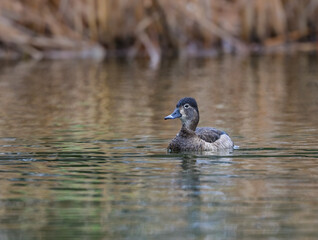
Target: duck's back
214, 138
209, 134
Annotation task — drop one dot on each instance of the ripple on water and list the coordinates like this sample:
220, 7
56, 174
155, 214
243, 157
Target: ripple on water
83, 155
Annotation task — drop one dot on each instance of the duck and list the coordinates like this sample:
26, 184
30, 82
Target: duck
191, 137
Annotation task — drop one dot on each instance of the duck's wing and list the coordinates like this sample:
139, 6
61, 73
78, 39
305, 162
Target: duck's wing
209, 134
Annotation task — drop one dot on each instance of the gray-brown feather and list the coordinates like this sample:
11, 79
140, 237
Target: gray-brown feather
209, 134
204, 138
186, 140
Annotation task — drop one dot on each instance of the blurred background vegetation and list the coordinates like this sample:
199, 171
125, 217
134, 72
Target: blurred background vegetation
154, 28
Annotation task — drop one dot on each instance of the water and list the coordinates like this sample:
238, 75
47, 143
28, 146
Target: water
82, 150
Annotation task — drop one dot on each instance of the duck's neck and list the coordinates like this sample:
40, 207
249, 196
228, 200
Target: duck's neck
189, 127
186, 132
190, 124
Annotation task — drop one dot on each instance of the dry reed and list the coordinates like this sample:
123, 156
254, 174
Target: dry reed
92, 28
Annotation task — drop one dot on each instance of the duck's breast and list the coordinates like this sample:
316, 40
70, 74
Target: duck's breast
181, 143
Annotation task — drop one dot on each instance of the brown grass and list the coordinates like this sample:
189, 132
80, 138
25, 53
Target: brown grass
92, 28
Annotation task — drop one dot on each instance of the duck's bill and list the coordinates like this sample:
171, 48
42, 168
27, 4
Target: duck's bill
176, 114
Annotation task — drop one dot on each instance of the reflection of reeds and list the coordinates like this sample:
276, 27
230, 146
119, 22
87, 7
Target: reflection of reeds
67, 28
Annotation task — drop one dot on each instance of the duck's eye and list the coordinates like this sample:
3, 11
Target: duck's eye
186, 105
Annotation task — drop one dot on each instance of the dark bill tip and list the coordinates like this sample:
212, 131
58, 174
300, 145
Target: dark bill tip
176, 114
169, 117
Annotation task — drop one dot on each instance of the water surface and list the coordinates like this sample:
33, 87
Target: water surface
82, 150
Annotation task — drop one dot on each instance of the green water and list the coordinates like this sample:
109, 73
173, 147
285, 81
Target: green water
82, 150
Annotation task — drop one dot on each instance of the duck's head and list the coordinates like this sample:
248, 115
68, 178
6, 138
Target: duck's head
188, 112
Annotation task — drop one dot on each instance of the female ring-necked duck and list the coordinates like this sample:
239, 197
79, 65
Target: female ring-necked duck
191, 138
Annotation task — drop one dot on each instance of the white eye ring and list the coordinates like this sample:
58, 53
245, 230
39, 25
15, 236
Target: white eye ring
186, 105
